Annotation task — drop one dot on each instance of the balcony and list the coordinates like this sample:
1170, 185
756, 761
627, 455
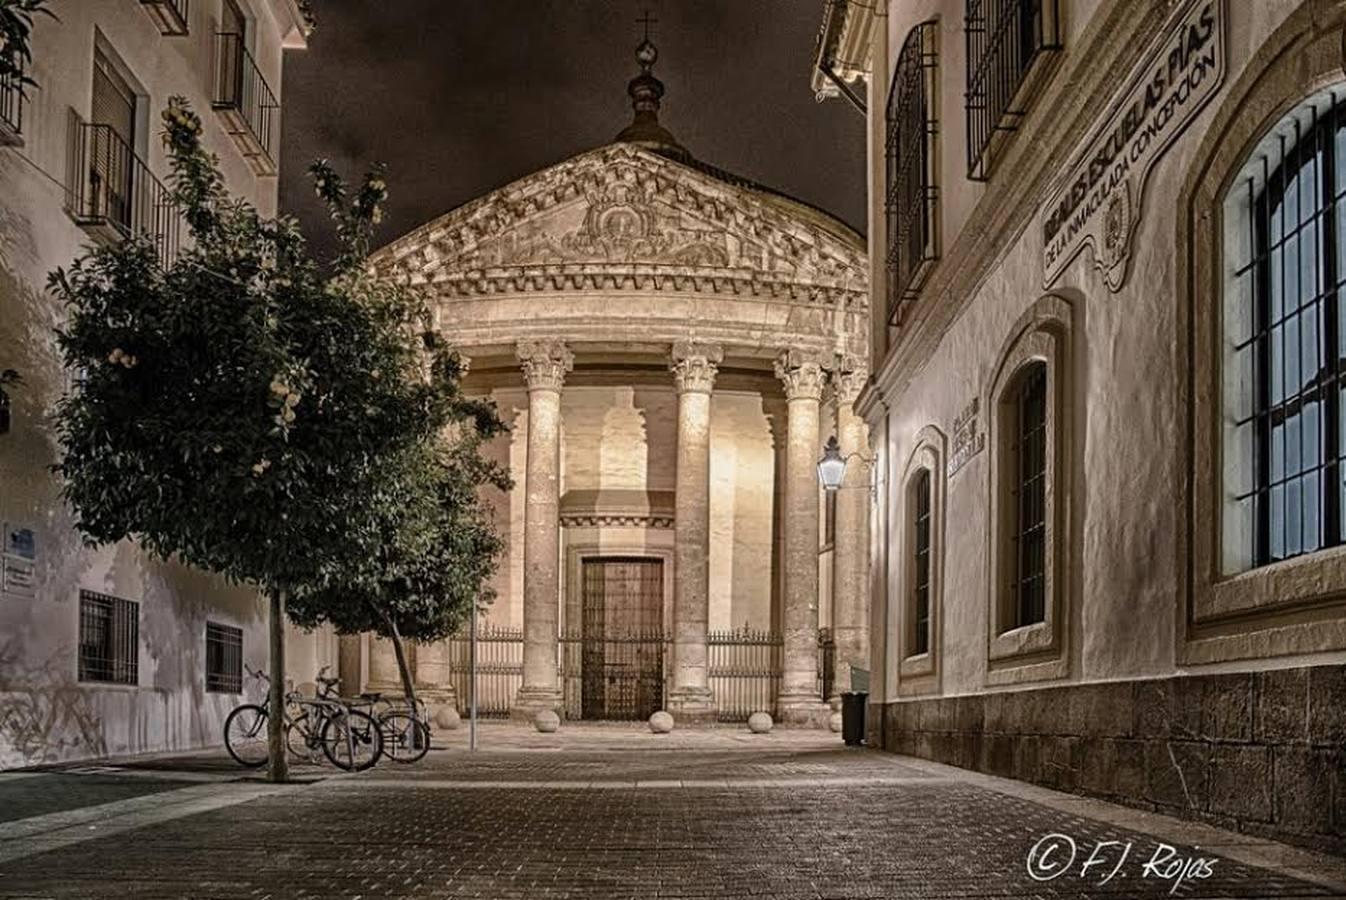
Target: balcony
112, 194
170, 15
246, 104
11, 111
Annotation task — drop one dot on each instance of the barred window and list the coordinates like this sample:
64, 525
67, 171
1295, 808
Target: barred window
1006, 39
910, 187
1288, 340
1028, 500
224, 659
921, 563
109, 639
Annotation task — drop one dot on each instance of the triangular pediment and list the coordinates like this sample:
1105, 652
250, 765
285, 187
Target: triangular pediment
623, 209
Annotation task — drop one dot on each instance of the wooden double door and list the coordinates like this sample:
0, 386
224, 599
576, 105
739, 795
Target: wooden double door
621, 638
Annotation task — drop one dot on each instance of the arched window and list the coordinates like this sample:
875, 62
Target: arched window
1286, 342
920, 546
1027, 465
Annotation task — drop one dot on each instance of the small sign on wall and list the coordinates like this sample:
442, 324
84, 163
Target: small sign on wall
18, 562
968, 438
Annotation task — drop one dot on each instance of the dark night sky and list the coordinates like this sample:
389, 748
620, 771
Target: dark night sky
463, 96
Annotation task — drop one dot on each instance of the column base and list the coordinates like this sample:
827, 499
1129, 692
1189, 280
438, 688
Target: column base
802, 711
532, 700
692, 706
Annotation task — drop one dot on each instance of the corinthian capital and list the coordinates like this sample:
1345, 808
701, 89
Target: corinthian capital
803, 374
694, 366
849, 380
545, 363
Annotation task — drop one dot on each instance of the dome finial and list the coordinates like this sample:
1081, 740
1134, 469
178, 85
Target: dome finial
646, 91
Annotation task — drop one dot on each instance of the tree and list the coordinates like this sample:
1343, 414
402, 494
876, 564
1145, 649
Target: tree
240, 409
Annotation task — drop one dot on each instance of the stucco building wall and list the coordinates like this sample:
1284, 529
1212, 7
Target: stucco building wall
46, 713
1107, 708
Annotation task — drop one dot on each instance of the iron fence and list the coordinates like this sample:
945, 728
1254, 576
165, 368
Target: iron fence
1005, 40
113, 193
626, 676
246, 102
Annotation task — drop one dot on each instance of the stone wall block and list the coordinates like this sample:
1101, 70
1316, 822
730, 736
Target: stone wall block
1339, 795
1177, 774
968, 751
1227, 708
1241, 782
1303, 789
1059, 762
993, 711
1028, 758
1168, 708
1102, 710
968, 713
1281, 707
997, 755
1327, 705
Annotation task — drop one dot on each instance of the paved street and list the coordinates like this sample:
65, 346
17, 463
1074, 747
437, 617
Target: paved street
612, 812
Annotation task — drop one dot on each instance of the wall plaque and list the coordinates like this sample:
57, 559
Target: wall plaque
968, 439
1099, 200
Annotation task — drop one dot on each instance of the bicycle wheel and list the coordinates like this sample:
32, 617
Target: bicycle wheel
405, 738
299, 737
245, 735
365, 744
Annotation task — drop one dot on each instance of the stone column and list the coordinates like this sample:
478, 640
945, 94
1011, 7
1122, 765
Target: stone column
799, 703
384, 676
545, 364
351, 663
433, 682
694, 367
850, 557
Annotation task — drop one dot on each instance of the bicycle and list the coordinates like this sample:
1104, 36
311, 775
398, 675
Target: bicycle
350, 739
405, 726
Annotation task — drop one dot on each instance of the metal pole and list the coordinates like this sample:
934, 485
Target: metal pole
472, 682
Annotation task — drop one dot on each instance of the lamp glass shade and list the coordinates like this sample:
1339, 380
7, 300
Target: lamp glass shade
831, 468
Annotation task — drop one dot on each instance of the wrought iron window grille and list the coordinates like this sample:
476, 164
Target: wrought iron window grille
109, 639
1028, 497
224, 659
920, 639
1008, 42
11, 110
1294, 346
911, 191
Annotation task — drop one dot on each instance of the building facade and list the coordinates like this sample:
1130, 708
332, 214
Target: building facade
1104, 263
107, 651
671, 345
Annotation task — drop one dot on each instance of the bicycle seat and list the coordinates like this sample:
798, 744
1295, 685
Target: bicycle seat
328, 681
374, 696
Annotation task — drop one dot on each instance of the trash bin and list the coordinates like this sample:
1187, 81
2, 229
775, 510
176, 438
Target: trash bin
853, 717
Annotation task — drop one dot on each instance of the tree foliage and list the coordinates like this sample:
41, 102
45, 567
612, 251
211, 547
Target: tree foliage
240, 409
16, 27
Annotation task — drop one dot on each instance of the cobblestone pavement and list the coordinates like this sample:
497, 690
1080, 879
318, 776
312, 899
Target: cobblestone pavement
789, 816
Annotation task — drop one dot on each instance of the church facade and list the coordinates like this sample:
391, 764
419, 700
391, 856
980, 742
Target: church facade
672, 346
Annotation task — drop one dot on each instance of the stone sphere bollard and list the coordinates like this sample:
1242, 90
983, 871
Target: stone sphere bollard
834, 722
760, 723
661, 722
546, 721
447, 718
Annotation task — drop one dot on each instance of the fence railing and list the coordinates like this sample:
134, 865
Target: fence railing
246, 103
11, 109
113, 194
626, 676
171, 16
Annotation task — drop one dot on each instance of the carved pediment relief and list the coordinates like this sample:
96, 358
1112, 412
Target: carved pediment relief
621, 209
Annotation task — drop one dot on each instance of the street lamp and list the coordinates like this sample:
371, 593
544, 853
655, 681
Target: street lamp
832, 467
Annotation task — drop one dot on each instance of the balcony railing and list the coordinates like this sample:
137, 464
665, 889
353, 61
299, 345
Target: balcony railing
246, 103
113, 195
170, 15
11, 111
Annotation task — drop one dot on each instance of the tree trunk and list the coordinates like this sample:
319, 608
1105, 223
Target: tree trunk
408, 683
278, 768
